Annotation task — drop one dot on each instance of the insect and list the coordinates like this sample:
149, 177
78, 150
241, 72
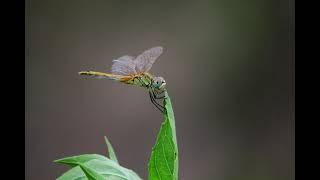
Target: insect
135, 71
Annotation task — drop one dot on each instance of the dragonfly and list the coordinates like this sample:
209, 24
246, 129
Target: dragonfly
135, 71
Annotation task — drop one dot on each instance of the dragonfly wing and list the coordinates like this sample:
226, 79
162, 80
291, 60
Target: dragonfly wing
123, 66
144, 61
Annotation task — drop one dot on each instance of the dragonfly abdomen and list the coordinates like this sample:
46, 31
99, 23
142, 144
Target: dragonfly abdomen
101, 75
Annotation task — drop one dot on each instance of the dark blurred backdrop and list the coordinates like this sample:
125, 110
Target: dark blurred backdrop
229, 67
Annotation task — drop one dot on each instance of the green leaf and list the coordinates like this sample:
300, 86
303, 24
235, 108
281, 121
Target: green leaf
75, 173
163, 164
102, 166
90, 173
76, 160
99, 167
112, 154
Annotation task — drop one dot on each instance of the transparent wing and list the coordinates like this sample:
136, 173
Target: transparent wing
144, 61
123, 66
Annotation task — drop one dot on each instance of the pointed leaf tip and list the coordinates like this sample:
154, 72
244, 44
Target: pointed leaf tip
112, 154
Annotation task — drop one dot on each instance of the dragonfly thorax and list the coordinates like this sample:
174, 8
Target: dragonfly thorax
159, 83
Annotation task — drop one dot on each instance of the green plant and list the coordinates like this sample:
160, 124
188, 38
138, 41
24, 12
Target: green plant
163, 163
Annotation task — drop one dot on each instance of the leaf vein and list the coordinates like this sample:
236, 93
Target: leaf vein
165, 157
155, 165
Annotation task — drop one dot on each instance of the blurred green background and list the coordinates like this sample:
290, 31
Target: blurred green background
229, 67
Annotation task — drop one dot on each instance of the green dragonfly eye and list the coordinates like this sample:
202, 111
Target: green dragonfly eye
159, 82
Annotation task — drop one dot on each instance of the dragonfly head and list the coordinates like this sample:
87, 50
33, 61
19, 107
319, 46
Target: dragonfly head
159, 83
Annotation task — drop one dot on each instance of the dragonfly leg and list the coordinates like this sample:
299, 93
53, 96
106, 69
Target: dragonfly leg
156, 95
157, 103
158, 106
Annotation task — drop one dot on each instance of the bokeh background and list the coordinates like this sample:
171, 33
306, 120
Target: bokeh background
229, 67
